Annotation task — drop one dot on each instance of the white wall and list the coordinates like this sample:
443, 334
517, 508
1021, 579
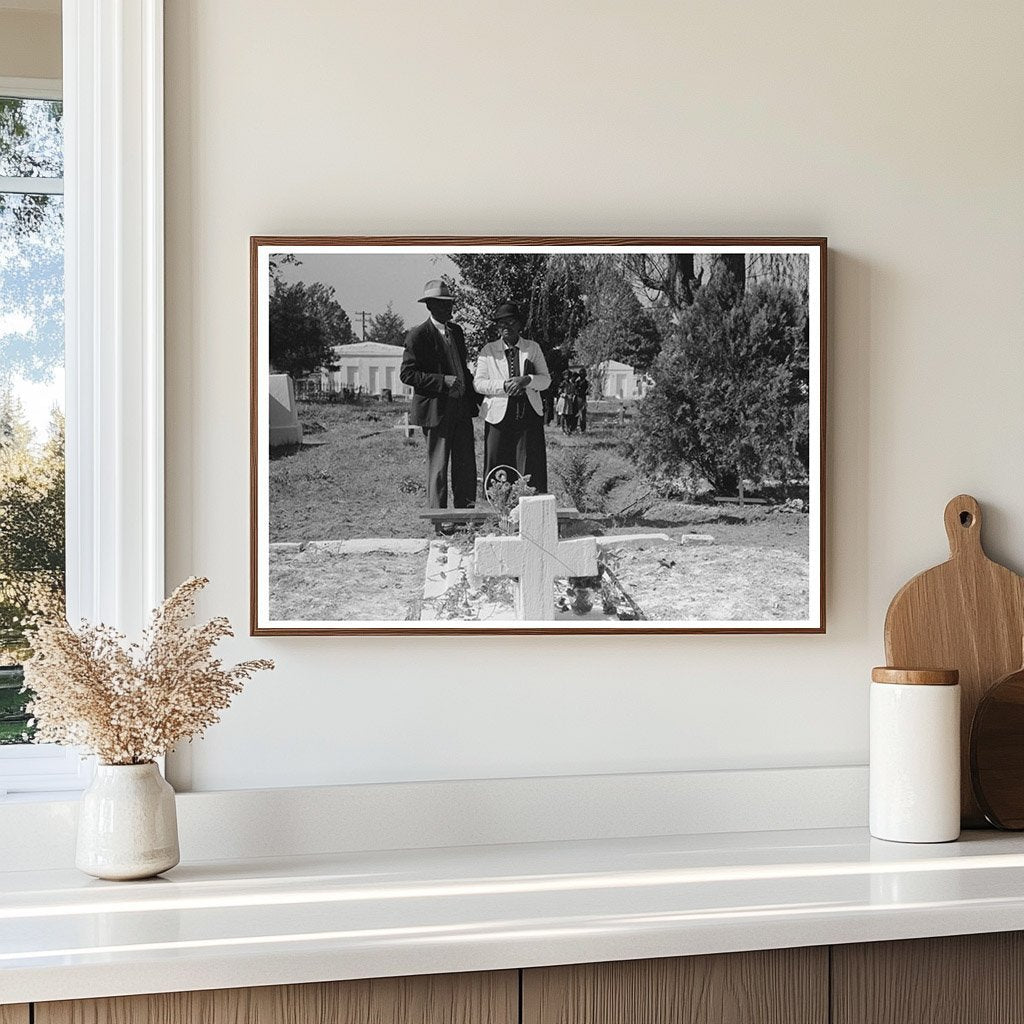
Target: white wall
895, 129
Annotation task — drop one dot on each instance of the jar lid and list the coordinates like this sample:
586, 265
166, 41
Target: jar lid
916, 676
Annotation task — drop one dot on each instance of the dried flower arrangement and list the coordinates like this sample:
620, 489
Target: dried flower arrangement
130, 703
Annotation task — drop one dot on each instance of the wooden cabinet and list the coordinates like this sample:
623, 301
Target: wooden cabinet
968, 979
778, 986
491, 998
962, 979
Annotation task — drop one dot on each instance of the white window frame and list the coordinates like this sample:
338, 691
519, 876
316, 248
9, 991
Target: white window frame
31, 89
114, 323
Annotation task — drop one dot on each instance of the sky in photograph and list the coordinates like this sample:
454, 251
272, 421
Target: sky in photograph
370, 282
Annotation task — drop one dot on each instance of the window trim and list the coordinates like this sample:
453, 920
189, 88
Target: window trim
31, 186
113, 169
43, 768
48, 89
32, 88
114, 323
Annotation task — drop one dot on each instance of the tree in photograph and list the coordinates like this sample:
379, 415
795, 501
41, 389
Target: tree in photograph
387, 328
548, 287
734, 266
670, 279
325, 307
729, 399
784, 268
276, 263
619, 327
306, 321
673, 279
485, 281
300, 341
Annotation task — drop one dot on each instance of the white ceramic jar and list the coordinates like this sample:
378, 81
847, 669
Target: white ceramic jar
127, 823
915, 755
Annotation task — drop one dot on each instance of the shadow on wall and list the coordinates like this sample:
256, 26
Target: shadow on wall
854, 286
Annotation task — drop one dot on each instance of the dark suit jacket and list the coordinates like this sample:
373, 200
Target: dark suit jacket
424, 366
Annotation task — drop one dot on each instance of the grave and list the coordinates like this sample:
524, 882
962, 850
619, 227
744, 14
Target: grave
535, 558
469, 516
449, 569
370, 545
623, 541
285, 428
405, 426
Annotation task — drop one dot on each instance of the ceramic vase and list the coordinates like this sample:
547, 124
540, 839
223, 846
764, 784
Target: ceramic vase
127, 825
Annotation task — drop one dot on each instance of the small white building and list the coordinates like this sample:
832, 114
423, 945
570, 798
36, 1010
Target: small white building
620, 380
367, 365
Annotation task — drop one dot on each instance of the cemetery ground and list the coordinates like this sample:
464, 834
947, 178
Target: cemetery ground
365, 479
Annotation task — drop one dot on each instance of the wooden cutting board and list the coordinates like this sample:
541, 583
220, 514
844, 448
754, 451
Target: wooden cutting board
967, 614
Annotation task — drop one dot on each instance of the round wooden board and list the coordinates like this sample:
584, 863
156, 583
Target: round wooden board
997, 752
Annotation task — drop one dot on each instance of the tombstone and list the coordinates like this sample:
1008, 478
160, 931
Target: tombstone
285, 428
404, 425
536, 558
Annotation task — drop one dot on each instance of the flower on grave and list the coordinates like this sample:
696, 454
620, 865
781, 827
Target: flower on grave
129, 703
504, 493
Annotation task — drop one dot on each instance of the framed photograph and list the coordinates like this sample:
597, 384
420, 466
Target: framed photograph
537, 435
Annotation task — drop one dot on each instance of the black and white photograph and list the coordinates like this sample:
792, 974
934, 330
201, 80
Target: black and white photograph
537, 435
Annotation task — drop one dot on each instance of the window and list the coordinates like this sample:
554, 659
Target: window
32, 532
112, 206
31, 381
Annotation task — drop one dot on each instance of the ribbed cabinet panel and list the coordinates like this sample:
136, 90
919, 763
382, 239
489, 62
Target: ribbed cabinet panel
778, 986
960, 979
479, 998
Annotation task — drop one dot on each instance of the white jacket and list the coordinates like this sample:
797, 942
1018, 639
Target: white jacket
492, 372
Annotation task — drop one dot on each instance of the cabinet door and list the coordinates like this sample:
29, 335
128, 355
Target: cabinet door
14, 1014
490, 998
962, 979
779, 986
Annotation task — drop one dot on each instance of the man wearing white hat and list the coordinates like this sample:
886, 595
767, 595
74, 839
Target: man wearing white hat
444, 401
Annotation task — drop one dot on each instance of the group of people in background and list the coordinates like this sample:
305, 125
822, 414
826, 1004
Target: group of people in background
570, 406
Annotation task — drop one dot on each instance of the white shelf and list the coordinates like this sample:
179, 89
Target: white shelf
356, 915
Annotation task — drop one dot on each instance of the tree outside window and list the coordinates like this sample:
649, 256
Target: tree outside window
31, 386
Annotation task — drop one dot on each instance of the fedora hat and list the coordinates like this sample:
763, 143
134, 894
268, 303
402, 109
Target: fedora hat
507, 311
439, 290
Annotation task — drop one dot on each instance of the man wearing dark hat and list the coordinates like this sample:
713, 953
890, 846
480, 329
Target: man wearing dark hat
511, 374
444, 403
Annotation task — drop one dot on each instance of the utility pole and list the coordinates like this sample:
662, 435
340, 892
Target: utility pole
364, 314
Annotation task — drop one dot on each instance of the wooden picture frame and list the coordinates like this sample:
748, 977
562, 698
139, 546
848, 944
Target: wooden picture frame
771, 273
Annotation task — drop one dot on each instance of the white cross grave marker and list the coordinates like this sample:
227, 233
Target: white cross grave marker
405, 426
536, 558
